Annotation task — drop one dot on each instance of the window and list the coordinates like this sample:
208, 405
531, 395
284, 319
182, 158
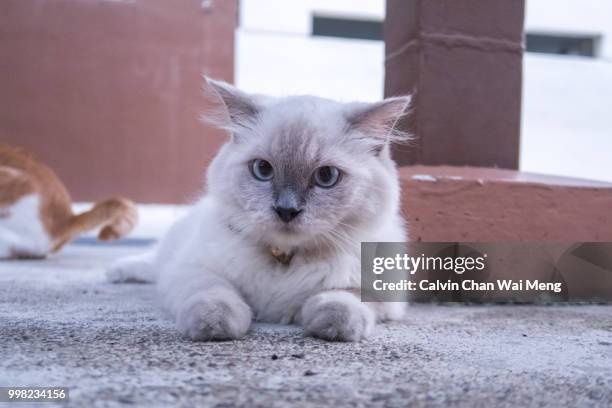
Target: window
347, 28
563, 45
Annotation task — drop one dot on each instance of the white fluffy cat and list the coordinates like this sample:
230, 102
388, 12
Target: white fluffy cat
276, 238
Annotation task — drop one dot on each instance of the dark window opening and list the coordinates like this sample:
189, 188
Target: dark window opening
561, 45
347, 28
373, 30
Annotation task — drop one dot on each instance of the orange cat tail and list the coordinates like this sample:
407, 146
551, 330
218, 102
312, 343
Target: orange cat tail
116, 216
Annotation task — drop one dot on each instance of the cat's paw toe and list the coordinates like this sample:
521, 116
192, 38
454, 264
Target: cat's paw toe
108, 233
211, 318
130, 270
118, 272
115, 274
338, 320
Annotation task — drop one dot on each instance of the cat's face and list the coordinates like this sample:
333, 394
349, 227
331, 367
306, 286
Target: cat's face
300, 170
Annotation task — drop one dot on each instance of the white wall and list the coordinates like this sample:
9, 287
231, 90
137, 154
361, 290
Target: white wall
567, 116
290, 64
275, 53
295, 16
572, 17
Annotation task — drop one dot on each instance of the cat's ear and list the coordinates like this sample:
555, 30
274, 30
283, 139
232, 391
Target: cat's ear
378, 121
239, 110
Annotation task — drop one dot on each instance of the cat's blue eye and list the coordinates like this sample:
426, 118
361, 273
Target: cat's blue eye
262, 170
326, 176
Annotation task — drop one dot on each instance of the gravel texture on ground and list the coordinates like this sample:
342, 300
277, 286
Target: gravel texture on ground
62, 324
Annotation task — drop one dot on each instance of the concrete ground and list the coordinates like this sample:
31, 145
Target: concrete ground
61, 324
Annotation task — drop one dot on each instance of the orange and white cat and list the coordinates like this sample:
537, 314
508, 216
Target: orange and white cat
36, 217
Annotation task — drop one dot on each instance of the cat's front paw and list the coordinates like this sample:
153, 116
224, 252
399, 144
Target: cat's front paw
213, 317
337, 316
132, 269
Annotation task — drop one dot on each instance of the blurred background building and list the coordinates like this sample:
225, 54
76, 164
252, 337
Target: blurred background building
108, 92
334, 48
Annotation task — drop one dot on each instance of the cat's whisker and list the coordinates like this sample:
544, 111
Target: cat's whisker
344, 241
352, 228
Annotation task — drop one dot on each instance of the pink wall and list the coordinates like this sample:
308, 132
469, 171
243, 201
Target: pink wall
108, 92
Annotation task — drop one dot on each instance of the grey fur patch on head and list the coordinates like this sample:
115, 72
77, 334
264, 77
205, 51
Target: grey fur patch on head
297, 135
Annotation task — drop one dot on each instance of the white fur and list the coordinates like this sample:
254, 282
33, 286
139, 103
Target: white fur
201, 259
133, 269
215, 280
21, 230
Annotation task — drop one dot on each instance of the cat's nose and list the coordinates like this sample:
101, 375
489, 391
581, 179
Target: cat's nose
287, 213
286, 205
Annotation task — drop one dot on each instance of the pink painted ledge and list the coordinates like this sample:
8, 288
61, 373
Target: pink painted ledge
471, 204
